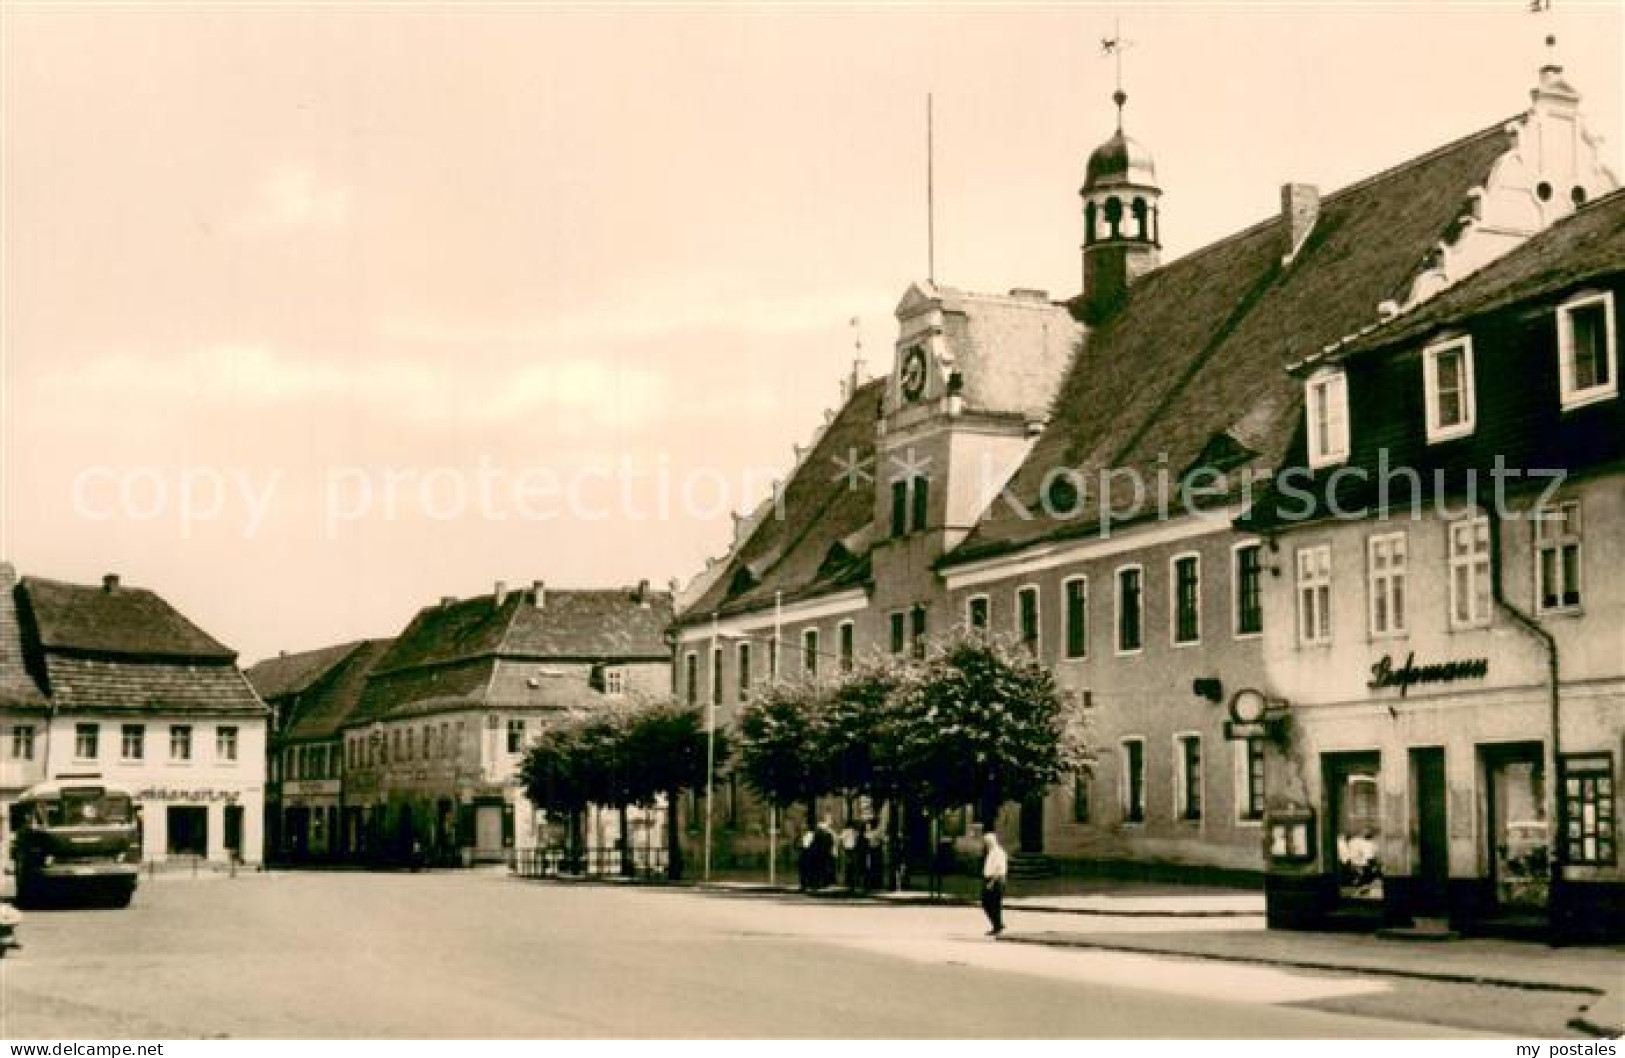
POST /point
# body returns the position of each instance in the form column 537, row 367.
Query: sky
column 312, row 315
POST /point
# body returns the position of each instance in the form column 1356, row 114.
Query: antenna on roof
column 930, row 193
column 1115, row 45
column 859, row 368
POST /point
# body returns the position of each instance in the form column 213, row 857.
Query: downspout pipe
column 1554, row 721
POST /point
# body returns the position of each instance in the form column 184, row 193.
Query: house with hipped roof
column 1067, row 474
column 112, row 681
column 431, row 750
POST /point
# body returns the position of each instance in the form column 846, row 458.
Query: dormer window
column 1447, row 378
column 1587, row 349
column 1327, row 404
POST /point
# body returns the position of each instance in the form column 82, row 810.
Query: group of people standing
column 855, row 857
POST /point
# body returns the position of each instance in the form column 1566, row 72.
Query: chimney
column 447, row 600
column 110, row 582
column 499, row 593
column 643, row 591
column 1300, row 208
column 538, row 593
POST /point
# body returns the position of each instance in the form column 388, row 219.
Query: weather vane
column 1115, row 45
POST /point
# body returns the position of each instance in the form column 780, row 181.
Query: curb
column 1307, row 964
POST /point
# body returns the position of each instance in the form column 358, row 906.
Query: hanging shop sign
column 1385, row 675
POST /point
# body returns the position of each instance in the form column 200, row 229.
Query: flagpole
column 711, row 741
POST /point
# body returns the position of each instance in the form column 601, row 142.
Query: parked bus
column 75, row 837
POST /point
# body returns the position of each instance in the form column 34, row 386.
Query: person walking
column 995, row 869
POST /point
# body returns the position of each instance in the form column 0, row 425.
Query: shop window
column 1131, row 784
column 1248, row 590
column 1589, row 350
column 1187, row 591
column 1353, row 785
column 188, row 830
column 1075, row 593
column 86, row 741
column 1588, row 810
column 1130, row 607
column 1557, row 557
column 133, row 741
column 1385, row 580
column 1469, row 573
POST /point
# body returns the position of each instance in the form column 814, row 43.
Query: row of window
column 1190, row 782
column 402, row 744
column 87, row 742
column 1185, row 605
column 1556, row 540
column 310, row 762
column 1588, row 371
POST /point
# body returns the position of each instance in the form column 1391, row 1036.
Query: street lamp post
column 711, row 742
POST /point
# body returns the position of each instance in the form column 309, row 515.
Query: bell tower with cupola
column 1122, row 235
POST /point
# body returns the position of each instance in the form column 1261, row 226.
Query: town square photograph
column 839, row 521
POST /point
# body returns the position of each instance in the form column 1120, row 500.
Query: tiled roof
column 455, row 654
column 17, row 687
column 328, row 703
column 1200, row 347
column 1588, row 244
column 288, row 674
column 795, row 551
column 121, row 621
column 81, row 684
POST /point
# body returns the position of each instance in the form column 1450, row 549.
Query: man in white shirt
column 995, row 868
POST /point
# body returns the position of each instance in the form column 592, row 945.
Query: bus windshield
column 87, row 807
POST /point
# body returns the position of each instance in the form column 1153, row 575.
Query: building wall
column 159, row 782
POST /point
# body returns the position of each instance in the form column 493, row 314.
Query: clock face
column 912, row 376
column 1248, row 707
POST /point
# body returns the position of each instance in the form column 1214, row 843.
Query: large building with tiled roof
column 1450, row 652
column 312, row 695
column 134, row 692
column 1067, row 473
column 432, row 749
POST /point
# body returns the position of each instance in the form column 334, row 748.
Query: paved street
column 479, row 954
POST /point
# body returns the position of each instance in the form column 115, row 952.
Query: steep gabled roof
column 327, row 703
column 116, row 621
column 828, row 499
column 102, row 685
column 17, row 687
column 1201, row 346
column 288, row 674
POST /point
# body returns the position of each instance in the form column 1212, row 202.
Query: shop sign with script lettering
column 1384, row 674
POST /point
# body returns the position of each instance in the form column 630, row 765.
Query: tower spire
column 1114, row 46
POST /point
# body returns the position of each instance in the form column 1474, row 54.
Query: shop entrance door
column 1430, row 869
column 1354, row 823
column 1519, row 852
column 188, row 827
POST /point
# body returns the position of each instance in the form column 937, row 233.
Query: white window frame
column 1235, row 588
column 1574, row 534
column 95, row 733
column 124, row 733
column 970, row 601
column 1124, row 784
column 22, row 742
column 1319, row 586
column 1476, row 565
column 516, row 726
column 1173, row 599
column 1438, row 431
column 1243, row 773
column 228, row 745
column 615, row 681
column 809, row 651
column 1066, row 618
column 1578, row 398
column 846, row 632
column 1037, row 595
column 1182, row 778
column 1326, row 392
column 1117, row 610
column 1381, row 585
column 184, row 736
column 691, row 677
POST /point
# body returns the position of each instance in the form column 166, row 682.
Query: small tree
column 857, row 731
column 783, row 744
column 982, row 722
column 556, row 774
column 663, row 753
